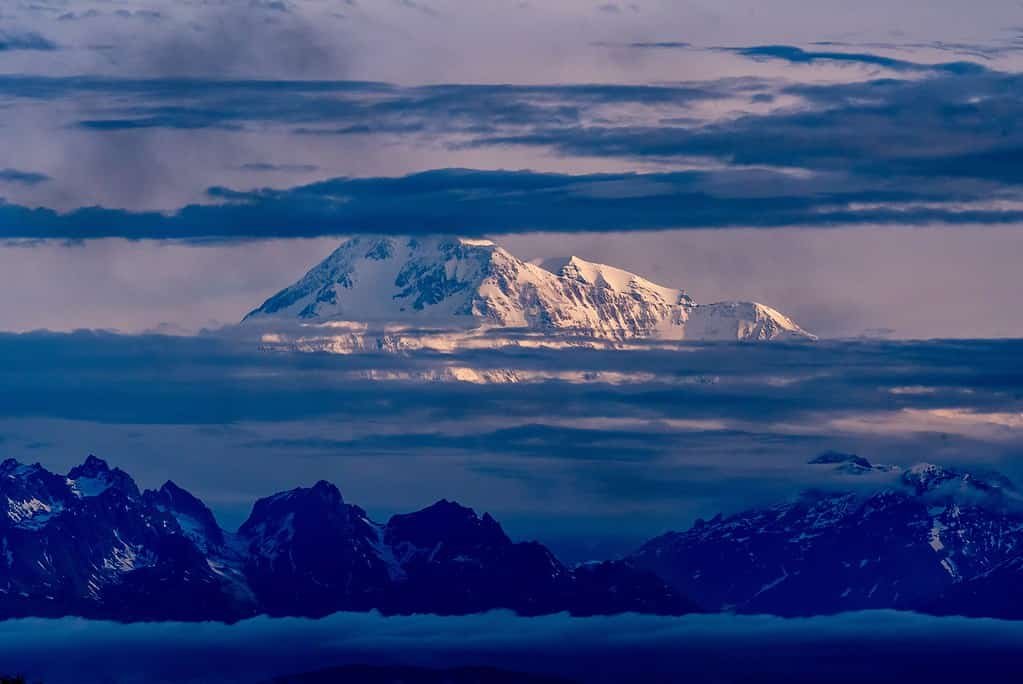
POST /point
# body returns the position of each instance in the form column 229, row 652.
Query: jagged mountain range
column 90, row 543
column 931, row 538
column 396, row 293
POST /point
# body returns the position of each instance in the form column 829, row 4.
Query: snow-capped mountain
column 91, row 544
column 925, row 540
column 445, row 292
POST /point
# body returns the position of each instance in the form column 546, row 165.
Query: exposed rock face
column 91, row 544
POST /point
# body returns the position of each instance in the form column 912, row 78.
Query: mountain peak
column 838, row 457
column 296, row 507
column 173, row 490
column 94, row 476
column 92, row 466
column 617, row 280
column 388, row 279
column 932, row 478
column 12, row 467
column 327, row 491
column 462, row 286
column 193, row 516
column 178, row 498
column 449, row 520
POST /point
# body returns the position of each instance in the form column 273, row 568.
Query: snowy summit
column 444, row 292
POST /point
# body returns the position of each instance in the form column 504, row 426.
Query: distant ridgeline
column 90, row 543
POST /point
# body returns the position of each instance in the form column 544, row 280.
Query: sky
column 871, row 281
column 167, row 166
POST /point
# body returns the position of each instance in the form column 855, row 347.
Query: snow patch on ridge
column 30, row 513
column 88, row 486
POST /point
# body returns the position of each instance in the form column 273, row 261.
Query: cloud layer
column 702, row 429
column 939, row 146
column 880, row 646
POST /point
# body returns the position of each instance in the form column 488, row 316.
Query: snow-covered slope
column 446, row 292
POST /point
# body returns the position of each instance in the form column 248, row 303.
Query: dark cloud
column 529, row 440
column 271, row 5
column 22, row 177
column 10, row 41
column 960, row 124
column 797, row 55
column 665, row 45
column 942, row 146
column 366, row 108
column 170, row 89
column 151, row 15
column 218, row 379
column 982, row 51
column 351, row 107
column 491, row 202
column 272, row 167
column 78, row 16
column 793, row 54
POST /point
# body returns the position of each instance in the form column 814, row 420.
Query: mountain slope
column 918, row 543
column 997, row 593
column 91, row 544
column 403, row 292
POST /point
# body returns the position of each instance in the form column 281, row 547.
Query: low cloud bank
column 875, row 646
